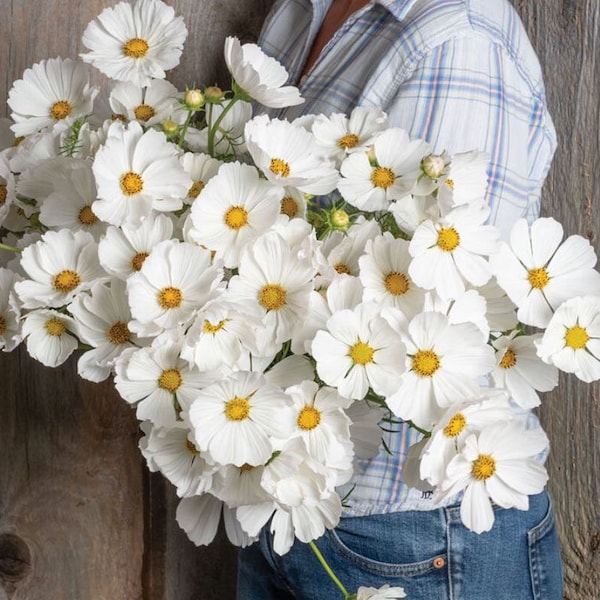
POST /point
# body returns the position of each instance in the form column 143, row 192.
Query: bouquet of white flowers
column 270, row 294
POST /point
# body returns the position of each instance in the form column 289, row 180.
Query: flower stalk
column 329, row 571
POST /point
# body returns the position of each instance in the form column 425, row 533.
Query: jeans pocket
column 544, row 559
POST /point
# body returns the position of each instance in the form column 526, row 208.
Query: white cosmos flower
column 102, row 318
column 520, row 370
column 237, row 418
column 444, row 362
column 200, row 167
column 453, row 250
column 59, row 266
column 339, row 135
column 288, row 155
column 411, row 210
column 176, row 280
column 172, row 452
column 383, row 593
column 293, row 203
column 236, row 208
column 273, row 283
column 50, row 91
column 384, row 275
column 239, row 486
column 372, row 186
column 497, row 465
column 7, row 187
column 571, row 341
column 10, row 311
column 123, row 250
column 158, row 381
column 136, row 172
column 358, row 351
column 259, row 75
column 135, row 42
column 539, row 271
column 150, row 105
column 501, row 313
column 70, row 205
column 49, row 336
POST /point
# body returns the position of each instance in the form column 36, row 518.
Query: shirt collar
column 398, row 8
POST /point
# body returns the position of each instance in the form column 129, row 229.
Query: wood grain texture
column 566, row 35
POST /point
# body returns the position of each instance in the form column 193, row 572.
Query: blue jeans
column 428, row 553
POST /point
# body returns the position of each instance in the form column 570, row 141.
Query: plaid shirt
column 460, row 74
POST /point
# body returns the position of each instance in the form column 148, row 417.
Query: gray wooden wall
column 80, row 516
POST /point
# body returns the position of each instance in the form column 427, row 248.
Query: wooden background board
column 80, row 516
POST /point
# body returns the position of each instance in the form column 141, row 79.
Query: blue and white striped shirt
column 460, row 74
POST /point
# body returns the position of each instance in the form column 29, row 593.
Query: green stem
column 10, row 248
column 185, row 127
column 328, row 569
column 212, row 129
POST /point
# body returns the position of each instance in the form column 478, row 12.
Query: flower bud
column 433, row 165
column 340, row 219
column 213, row 94
column 194, row 99
column 170, row 127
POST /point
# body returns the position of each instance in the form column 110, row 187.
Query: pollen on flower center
column 2, row 325
column 455, row 426
column 425, row 363
column 289, row 207
column 196, row 188
column 208, row 327
column 61, row 110
column 131, row 183
column 246, row 467
column 450, row 183
column 3, row 194
column 237, row 409
column 576, row 337
column 279, row 167
column 136, row 48
column 170, row 297
column 382, row 177
column 55, row 327
column 538, row 278
column 361, row 353
column 484, row 466
column 119, row 333
column 343, row 269
column 309, row 418
column 191, row 448
column 396, row 283
column 87, row 216
column 170, row 380
column 66, row 281
column 236, row 217
column 144, row 112
column 448, row 239
column 509, row 359
column 348, row 141
column 138, row 260
column 272, row 296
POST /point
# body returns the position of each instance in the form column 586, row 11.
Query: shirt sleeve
column 468, row 93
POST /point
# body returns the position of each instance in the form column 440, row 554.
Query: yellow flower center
column 170, row 297
column 55, row 327
column 382, row 177
column 135, row 48
column 131, row 183
column 3, row 194
column 191, row 448
column 425, row 363
column 208, row 327
column 66, row 281
column 196, row 188
column 309, row 418
column 576, row 337
column 144, row 112
column 87, row 216
column 2, row 325
column 484, row 466
column 509, row 359
column 272, row 296
column 119, row 333
column 279, row 167
column 396, row 283
column 538, row 278
column 343, row 269
column 170, row 380
column 246, row 467
column 289, row 207
column 236, row 217
column 361, row 353
column 448, row 239
column 450, row 183
column 138, row 260
column 348, row 141
column 61, row 110
column 455, row 426
column 237, row 409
